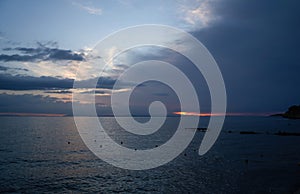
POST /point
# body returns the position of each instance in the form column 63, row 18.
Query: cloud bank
column 40, row 53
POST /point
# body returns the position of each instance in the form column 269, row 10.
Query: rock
column 292, row 113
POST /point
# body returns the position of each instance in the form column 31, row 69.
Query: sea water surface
column 47, row 154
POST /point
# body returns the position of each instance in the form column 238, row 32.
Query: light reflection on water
column 47, row 155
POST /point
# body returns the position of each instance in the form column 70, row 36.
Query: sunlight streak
column 220, row 114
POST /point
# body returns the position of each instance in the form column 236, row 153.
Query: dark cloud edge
column 21, row 82
column 42, row 52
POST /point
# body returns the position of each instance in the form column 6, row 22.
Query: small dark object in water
column 229, row 131
column 121, row 142
column 248, row 132
column 184, row 154
column 156, row 145
column 100, row 146
column 202, row 129
column 246, row 161
column 69, row 142
column 286, row 134
column 134, row 149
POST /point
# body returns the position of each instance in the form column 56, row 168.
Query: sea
column 251, row 155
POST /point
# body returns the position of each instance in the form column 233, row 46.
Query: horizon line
column 28, row 114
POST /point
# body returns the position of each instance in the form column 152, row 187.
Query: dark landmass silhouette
column 292, row 113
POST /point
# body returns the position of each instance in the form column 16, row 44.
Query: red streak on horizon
column 219, row 114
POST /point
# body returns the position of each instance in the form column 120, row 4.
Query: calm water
column 39, row 154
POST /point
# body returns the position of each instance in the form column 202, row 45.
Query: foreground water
column 41, row 154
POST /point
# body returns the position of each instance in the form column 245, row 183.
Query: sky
column 42, row 44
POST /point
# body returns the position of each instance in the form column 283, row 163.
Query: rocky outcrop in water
column 292, row 113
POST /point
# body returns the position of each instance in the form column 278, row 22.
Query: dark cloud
column 256, row 44
column 20, row 82
column 34, row 104
column 157, row 89
column 102, row 82
column 29, row 103
column 17, row 57
column 3, row 68
column 142, row 97
column 95, row 92
column 59, row 54
column 59, row 92
column 43, row 52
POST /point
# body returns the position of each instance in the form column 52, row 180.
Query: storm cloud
column 256, row 45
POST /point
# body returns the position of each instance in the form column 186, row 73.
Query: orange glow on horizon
column 219, row 114
column 196, row 114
